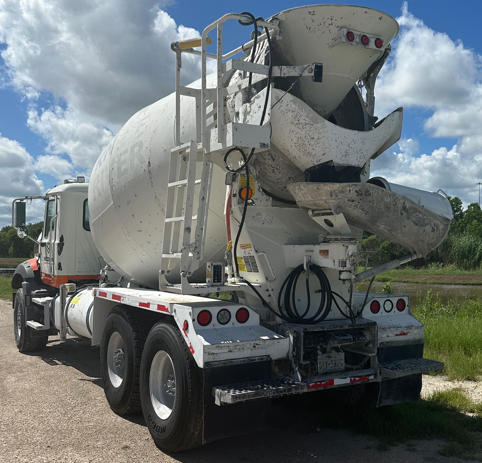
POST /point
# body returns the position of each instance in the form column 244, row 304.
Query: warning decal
column 241, row 265
column 248, row 264
column 247, row 249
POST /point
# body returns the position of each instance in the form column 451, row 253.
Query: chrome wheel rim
column 116, row 365
column 162, row 385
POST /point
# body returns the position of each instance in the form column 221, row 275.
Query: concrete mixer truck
column 251, row 184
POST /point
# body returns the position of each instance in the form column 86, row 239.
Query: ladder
column 180, row 243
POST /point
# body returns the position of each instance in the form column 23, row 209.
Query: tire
column 26, row 339
column 123, row 339
column 171, row 390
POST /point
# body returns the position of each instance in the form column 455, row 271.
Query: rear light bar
column 219, row 318
column 354, row 37
column 388, row 304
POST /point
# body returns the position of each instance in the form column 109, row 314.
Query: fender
column 27, row 271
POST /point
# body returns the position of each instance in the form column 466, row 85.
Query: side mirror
column 20, row 218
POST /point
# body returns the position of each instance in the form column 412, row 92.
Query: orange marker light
column 245, row 191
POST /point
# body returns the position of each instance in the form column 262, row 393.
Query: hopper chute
column 312, row 34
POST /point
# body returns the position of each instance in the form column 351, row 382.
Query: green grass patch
column 442, row 416
column 453, row 335
column 12, row 262
column 6, row 287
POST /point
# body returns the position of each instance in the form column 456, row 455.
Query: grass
column 5, row 287
column 453, row 335
column 435, row 274
column 442, row 416
column 11, row 262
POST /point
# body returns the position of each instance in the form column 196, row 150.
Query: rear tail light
column 350, row 36
column 365, row 40
column 375, row 307
column 204, row 318
column 242, row 315
column 401, row 304
column 379, row 43
column 224, row 315
column 388, row 305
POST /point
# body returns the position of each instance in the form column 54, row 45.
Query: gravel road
column 52, row 409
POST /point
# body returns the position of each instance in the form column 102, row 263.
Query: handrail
column 202, row 95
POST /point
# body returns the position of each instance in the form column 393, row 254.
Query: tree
column 457, row 207
column 13, row 246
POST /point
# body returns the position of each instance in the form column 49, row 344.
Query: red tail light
column 375, row 307
column 365, row 40
column 350, row 36
column 204, row 318
column 185, row 325
column 379, row 43
column 242, row 315
column 401, row 304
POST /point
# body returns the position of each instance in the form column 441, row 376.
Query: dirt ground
column 52, row 409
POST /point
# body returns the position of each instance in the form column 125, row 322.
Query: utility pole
column 479, row 183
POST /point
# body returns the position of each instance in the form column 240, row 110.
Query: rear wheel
column 123, row 339
column 171, row 390
column 26, row 339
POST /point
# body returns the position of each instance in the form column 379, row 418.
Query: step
column 408, row 367
column 234, row 393
column 35, row 325
column 271, row 388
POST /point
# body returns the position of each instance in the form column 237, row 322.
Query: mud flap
column 236, row 419
column 397, row 391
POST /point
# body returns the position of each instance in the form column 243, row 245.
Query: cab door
column 47, row 243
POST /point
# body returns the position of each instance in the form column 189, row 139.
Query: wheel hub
column 170, row 384
column 119, row 359
column 162, row 384
column 116, row 359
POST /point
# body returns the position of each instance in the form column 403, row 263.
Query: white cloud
column 56, row 166
column 106, row 59
column 427, row 69
column 17, row 178
column 99, row 60
column 65, row 133
column 451, row 170
column 431, row 71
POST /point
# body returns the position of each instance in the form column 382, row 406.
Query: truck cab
column 67, row 252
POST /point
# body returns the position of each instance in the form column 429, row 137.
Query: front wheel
column 26, row 339
column 171, row 390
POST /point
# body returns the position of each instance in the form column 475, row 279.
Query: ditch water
column 419, row 291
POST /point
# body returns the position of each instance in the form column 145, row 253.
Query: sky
column 72, row 73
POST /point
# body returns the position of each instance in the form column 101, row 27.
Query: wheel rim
column 162, row 385
column 19, row 321
column 116, row 364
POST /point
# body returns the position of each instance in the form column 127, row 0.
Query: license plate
column 332, row 361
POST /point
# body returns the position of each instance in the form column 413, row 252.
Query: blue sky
column 72, row 72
